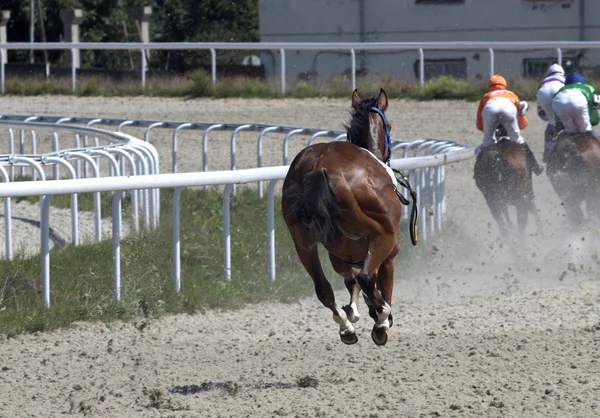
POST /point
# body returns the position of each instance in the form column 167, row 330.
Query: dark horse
column 504, row 178
column 573, row 168
column 342, row 195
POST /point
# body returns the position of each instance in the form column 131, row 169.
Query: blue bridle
column 388, row 140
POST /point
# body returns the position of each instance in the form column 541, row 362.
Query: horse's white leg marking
column 346, row 326
column 354, row 316
column 383, row 317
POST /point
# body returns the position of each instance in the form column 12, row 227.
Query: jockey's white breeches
column 544, row 98
column 500, row 111
column 571, row 107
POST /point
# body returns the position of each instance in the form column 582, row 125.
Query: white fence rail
column 282, row 47
column 424, row 160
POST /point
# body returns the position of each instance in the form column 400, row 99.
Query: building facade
column 429, row 21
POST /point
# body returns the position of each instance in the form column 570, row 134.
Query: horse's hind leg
column 532, row 207
column 500, row 214
column 311, row 262
column 378, row 292
column 347, row 272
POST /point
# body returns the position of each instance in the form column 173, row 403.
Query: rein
column 388, row 141
column 402, row 180
column 414, row 213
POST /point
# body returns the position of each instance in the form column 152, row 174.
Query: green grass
column 199, row 84
column 81, row 277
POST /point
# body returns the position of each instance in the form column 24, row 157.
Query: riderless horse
column 344, row 196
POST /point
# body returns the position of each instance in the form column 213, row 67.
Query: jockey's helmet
column 555, row 69
column 497, row 82
column 574, row 78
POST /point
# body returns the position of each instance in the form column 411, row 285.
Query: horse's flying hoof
column 379, row 335
column 349, row 339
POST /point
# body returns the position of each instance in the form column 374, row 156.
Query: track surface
column 475, row 333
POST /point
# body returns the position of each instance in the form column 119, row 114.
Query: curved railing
column 88, row 152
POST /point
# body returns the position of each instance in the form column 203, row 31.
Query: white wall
column 405, row 21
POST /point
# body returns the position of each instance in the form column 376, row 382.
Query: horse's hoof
column 379, row 335
column 349, row 338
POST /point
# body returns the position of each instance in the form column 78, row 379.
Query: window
column 538, row 67
column 439, row 1
column 456, row 68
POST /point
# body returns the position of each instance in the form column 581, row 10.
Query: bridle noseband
column 387, row 154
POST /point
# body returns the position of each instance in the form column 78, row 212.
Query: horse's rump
column 574, row 165
column 501, row 170
column 331, row 187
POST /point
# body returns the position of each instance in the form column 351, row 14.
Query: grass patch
column 81, row 277
column 199, row 84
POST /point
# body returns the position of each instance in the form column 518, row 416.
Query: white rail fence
column 423, row 159
column 282, row 47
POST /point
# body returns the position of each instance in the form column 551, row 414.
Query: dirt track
column 475, row 334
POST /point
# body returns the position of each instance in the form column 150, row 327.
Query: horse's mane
column 358, row 130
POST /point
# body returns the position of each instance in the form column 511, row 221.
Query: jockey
column 500, row 106
column 554, row 81
column 576, row 106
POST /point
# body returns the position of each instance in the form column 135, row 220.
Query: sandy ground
column 476, row 333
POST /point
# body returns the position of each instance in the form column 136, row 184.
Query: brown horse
column 574, row 171
column 504, row 178
column 342, row 195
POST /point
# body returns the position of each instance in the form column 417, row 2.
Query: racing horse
column 573, row 167
column 504, row 178
column 344, row 196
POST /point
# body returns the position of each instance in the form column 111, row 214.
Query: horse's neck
column 375, row 148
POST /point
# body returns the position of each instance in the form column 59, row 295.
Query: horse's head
column 369, row 127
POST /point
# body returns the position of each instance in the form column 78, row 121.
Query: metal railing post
column 2, row 75
column 353, row 66
column 174, row 144
column 227, row 231
column 73, row 72
column 559, row 56
column 176, row 241
column 213, row 66
column 271, row 227
column 7, row 218
column 287, row 139
column 45, row 245
column 259, row 153
column 492, row 62
column 116, row 244
column 421, row 67
column 143, row 68
column 282, row 52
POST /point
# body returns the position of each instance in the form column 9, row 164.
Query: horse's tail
column 312, row 203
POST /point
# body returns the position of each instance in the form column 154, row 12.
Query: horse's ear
column 382, row 100
column 355, row 98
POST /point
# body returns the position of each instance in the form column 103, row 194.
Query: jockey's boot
column 532, row 162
